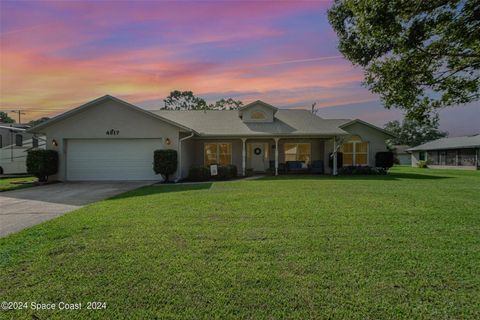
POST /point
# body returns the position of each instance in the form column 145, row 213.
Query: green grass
column 406, row 245
column 7, row 184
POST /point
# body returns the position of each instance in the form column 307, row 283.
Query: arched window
column 355, row 152
column 257, row 115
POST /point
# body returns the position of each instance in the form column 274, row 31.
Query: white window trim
column 218, row 151
column 296, row 155
column 354, row 152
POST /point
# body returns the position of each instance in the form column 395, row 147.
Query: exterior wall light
column 167, row 141
column 54, row 143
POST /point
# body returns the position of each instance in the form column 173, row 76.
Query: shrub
column 249, row 172
column 384, row 159
column 232, row 169
column 339, row 160
column 226, row 172
column 422, row 164
column 362, row 170
column 42, row 163
column 198, row 174
column 165, row 162
column 270, row 171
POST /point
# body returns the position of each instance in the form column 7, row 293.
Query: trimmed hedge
column 42, row 163
column 203, row 173
column 165, row 162
column 226, row 172
column 364, row 170
column 384, row 159
column 198, row 174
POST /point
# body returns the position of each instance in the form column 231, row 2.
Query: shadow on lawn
column 390, row 176
column 164, row 188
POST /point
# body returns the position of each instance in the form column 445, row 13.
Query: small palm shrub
column 422, row 164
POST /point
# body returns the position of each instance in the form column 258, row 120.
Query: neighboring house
column 14, row 145
column 458, row 152
column 402, row 155
column 110, row 139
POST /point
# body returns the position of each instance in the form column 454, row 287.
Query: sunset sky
column 58, row 55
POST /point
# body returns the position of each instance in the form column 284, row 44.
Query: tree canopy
column 417, row 55
column 227, row 104
column 186, row 100
column 413, row 133
column 4, row 118
column 38, row 121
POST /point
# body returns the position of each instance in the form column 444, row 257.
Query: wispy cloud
column 55, row 55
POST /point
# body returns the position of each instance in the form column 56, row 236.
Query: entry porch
column 275, row 155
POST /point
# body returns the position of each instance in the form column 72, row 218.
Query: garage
column 111, row 159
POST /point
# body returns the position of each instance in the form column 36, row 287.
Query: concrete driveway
column 23, row 208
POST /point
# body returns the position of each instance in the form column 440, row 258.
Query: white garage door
column 108, row 159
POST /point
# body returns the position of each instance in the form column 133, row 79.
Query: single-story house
column 110, row 139
column 402, row 155
column 457, row 152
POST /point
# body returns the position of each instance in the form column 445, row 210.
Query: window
column 35, row 142
column 1, row 142
column 298, row 152
column 466, row 157
column 442, row 156
column 18, row 140
column 218, row 153
column 257, row 115
column 432, row 157
column 355, row 152
column 421, row 156
column 451, row 158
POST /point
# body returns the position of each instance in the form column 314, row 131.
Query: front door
column 258, row 157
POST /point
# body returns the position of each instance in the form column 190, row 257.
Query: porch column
column 244, row 155
column 334, row 156
column 276, row 155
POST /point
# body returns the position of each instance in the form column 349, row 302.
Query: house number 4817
column 112, row 132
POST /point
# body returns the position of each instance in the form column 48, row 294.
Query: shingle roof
column 228, row 123
column 450, row 143
column 107, row 97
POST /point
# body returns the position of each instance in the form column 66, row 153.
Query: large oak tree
column 419, row 56
column 413, row 133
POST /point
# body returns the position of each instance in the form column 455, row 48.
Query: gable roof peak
column 258, row 102
column 96, row 101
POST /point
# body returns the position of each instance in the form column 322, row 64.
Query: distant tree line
column 186, row 100
column 5, row 118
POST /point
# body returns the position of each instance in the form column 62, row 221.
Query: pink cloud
column 65, row 53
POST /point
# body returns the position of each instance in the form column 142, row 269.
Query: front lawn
column 406, row 245
column 7, row 184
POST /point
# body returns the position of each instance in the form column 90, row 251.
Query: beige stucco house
column 110, row 139
column 449, row 153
